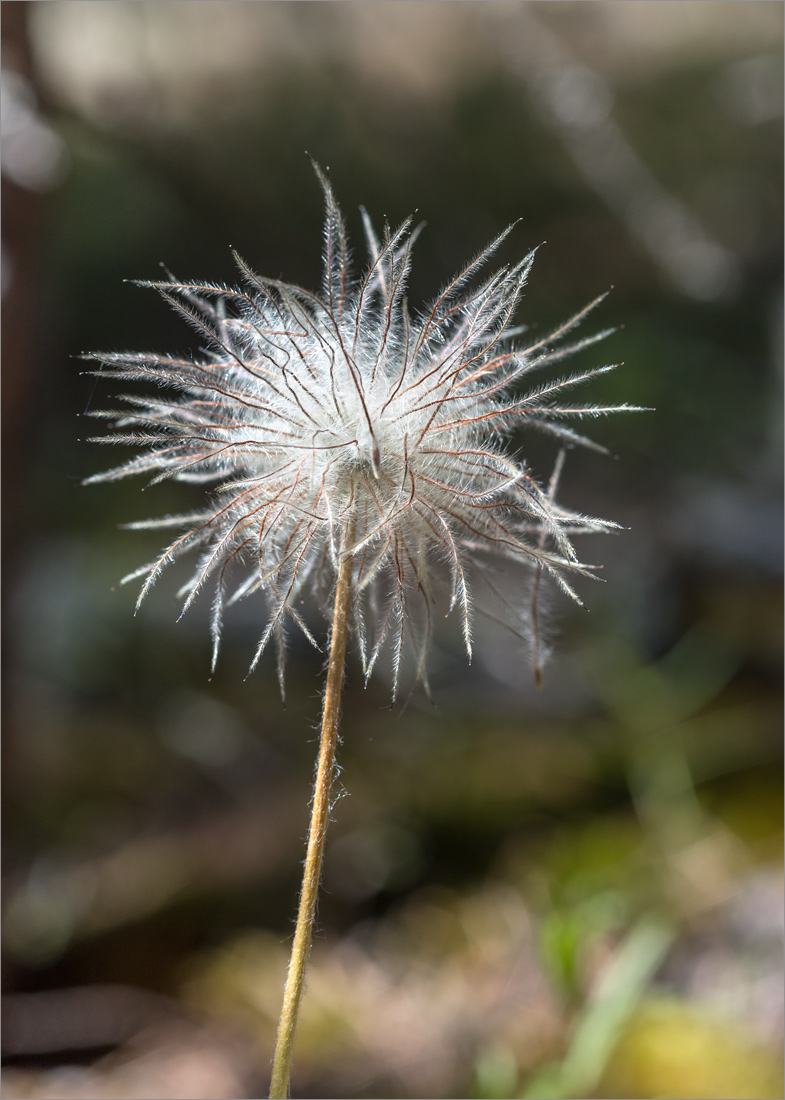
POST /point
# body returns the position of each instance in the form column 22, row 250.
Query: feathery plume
column 339, row 425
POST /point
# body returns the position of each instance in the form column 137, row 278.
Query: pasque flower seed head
column 340, row 424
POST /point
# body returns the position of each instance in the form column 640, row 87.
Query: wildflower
column 341, row 425
column 360, row 453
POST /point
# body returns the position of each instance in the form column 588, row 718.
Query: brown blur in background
column 576, row 893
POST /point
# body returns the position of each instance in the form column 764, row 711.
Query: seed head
column 340, row 424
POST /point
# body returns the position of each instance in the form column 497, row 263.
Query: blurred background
column 576, row 893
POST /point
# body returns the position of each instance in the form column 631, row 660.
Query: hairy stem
column 320, row 812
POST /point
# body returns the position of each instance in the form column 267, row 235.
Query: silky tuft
column 340, row 424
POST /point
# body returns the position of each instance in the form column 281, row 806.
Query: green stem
column 320, row 812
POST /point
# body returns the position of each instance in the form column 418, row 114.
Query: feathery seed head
column 339, row 425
